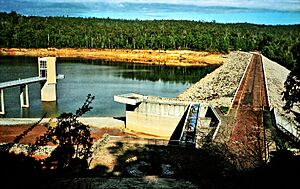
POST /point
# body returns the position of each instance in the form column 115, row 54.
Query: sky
column 270, row 12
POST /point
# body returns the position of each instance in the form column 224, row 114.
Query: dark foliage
column 292, row 85
column 291, row 94
column 73, row 148
column 210, row 167
column 73, row 139
column 275, row 42
column 18, row 171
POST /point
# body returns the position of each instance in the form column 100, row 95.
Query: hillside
column 275, row 42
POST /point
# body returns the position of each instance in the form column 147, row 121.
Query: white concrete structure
column 47, row 77
column 47, row 69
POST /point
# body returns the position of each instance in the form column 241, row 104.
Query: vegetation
column 275, row 42
column 211, row 167
column 73, row 139
column 140, row 166
column 291, row 94
column 292, row 85
column 224, row 109
column 73, row 146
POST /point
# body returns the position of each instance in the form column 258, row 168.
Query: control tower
column 47, row 70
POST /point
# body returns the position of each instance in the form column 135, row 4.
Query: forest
column 275, row 42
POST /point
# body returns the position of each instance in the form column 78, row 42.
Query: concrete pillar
column 48, row 92
column 171, row 110
column 142, row 108
column 24, row 99
column 47, row 68
column 2, row 111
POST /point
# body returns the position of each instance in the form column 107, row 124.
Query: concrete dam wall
column 157, row 118
column 155, row 115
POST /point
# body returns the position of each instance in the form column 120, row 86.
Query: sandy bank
column 99, row 122
column 156, row 57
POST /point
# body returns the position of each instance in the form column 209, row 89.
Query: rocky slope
column 276, row 76
column 218, row 87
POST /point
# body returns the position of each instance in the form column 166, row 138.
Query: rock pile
column 218, row 87
column 276, row 76
column 24, row 148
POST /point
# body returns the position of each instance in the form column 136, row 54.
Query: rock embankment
column 218, row 88
column 276, row 75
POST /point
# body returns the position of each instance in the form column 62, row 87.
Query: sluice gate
column 189, row 129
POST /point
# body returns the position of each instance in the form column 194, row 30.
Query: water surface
column 103, row 79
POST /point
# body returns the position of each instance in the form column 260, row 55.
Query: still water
column 102, row 79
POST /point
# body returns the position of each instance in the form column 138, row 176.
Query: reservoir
column 102, row 79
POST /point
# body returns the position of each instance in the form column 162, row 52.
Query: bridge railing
column 265, row 83
column 218, row 126
column 241, row 82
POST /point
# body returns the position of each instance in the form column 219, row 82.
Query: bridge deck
column 19, row 82
column 26, row 81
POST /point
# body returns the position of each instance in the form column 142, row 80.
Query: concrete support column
column 48, row 92
column 24, row 99
column 2, row 111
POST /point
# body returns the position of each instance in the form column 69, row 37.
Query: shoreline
column 153, row 57
column 99, row 122
column 115, row 127
column 111, row 122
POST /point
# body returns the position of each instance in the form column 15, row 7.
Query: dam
column 196, row 115
column 193, row 117
column 169, row 118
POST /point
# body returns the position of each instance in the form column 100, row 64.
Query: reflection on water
column 103, row 79
column 50, row 109
column 177, row 74
column 24, row 112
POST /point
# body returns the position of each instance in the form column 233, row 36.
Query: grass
column 224, row 109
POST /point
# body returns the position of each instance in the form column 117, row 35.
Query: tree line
column 275, row 42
